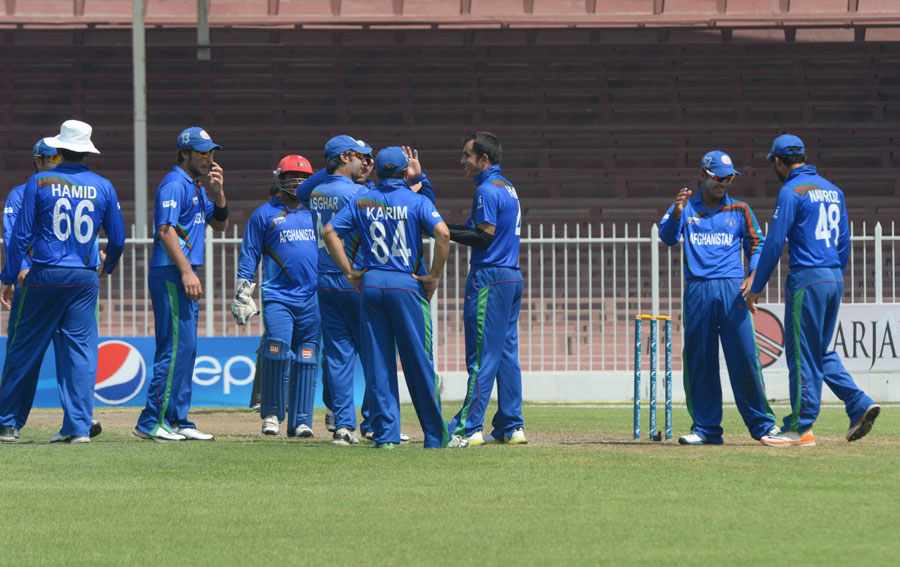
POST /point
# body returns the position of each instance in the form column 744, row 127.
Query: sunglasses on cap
column 205, row 154
column 726, row 179
column 52, row 159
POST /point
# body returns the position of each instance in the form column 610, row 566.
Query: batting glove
column 243, row 307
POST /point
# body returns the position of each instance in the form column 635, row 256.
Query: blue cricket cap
column 390, row 160
column 197, row 138
column 42, row 149
column 340, row 144
column 787, row 145
column 719, row 163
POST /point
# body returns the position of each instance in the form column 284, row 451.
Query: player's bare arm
column 681, row 199
column 215, row 186
column 189, row 279
column 431, row 280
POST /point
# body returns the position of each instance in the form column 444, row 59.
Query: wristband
column 220, row 213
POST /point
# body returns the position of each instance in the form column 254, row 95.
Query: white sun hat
column 74, row 135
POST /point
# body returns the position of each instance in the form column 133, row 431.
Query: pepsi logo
column 306, row 353
column 121, row 372
column 769, row 336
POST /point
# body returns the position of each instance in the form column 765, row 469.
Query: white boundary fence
column 583, row 287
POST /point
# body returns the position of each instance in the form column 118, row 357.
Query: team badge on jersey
column 121, row 372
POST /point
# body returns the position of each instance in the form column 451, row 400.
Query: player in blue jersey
column 60, row 217
column 304, row 171
column 190, row 197
column 715, row 228
column 493, row 297
column 395, row 313
column 281, row 233
column 339, row 301
column 811, row 214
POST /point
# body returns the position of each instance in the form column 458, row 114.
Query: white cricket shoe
column 303, row 431
column 60, row 438
column 345, row 437
column 476, row 439
column 191, row 434
column 270, row 425
column 692, row 439
column 162, row 435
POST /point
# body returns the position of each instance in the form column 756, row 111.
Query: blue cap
column 340, row 144
column 391, row 160
column 197, row 138
column 719, row 163
column 787, row 145
column 42, row 149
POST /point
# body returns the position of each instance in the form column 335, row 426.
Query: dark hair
column 69, row 155
column 273, row 190
column 486, row 143
column 332, row 164
column 791, row 159
column 181, row 152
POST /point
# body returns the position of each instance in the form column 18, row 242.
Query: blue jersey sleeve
column 22, row 234
column 251, row 246
column 10, row 209
column 306, row 188
column 114, row 227
column 342, row 222
column 429, row 217
column 753, row 239
column 427, row 190
column 670, row 227
column 168, row 205
column 487, row 206
column 843, row 245
column 782, row 219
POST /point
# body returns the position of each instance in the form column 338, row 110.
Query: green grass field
column 579, row 494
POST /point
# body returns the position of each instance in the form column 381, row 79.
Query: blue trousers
column 169, row 391
column 339, row 308
column 26, row 401
column 812, row 300
column 714, row 310
column 293, row 323
column 57, row 304
column 395, row 316
column 491, row 317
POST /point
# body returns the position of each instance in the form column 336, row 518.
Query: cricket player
column 493, row 297
column 395, row 313
column 191, row 196
column 715, row 229
column 281, row 233
column 811, row 214
column 61, row 213
column 339, row 301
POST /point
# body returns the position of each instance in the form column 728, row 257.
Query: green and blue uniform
column 395, row 316
column 491, row 311
column 714, row 309
column 60, row 217
column 811, row 214
column 185, row 206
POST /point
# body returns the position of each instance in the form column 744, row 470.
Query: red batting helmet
column 291, row 164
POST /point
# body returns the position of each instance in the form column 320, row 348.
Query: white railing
column 582, row 288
